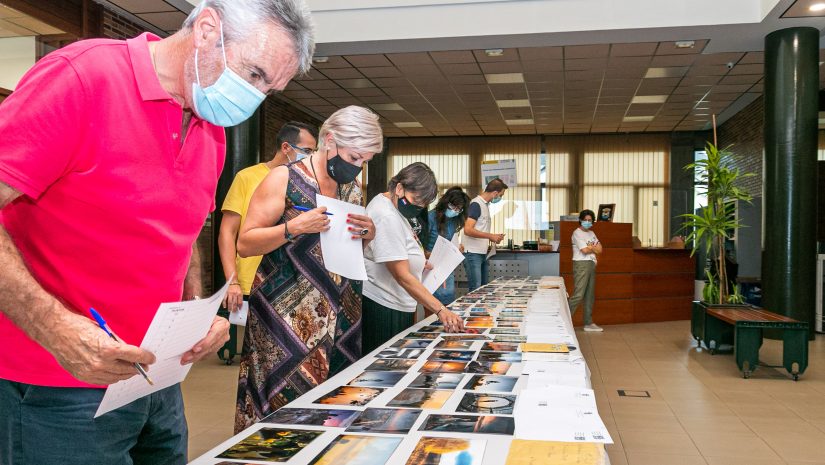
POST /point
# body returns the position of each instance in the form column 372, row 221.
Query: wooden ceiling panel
column 623, row 62
column 541, row 53
column 460, row 68
column 741, row 79
column 644, row 49
column 669, row 61
column 748, row 68
column 342, row 73
column 501, row 67
column 670, row 48
column 366, row 92
column 467, row 79
column 409, row 59
column 365, row 61
column 332, row 62
column 718, row 59
column 585, row 63
column 381, row 72
column 628, row 72
column 586, row 51
column 509, row 54
column 540, row 66
column 753, row 58
column 454, row 56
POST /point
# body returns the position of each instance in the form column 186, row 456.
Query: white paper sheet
column 176, row 328
column 573, row 414
column 445, row 258
column 342, row 254
column 239, row 317
column 492, row 252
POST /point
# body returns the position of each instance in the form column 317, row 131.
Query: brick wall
column 275, row 114
column 118, row 27
column 744, row 132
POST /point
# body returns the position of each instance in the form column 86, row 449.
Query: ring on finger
column 364, row 231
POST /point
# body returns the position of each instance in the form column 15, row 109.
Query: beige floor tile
column 747, row 445
column 799, row 446
column 743, row 461
column 634, row 458
column 649, row 442
column 646, row 422
column 202, row 443
column 712, row 424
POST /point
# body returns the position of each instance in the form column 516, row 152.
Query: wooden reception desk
column 632, row 285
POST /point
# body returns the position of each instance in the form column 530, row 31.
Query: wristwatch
column 289, row 237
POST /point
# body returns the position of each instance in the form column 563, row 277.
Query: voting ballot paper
column 176, row 328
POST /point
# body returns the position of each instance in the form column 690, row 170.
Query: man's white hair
column 239, row 17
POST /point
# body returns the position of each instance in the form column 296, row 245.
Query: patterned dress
column 304, row 322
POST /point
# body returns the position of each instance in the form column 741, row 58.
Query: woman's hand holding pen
column 309, row 222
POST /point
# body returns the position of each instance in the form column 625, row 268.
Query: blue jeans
column 46, row 425
column 475, row 264
column 446, row 292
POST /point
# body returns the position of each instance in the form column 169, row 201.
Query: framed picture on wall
column 605, row 212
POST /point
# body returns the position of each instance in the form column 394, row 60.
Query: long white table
column 497, row 446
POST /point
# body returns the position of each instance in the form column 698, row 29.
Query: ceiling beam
column 64, row 15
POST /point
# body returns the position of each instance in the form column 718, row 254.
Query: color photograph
column 350, row 395
column 379, row 379
column 391, row 364
column 510, row 338
column 511, row 331
column 512, row 357
column 312, row 416
column 385, row 420
column 352, row 449
column 509, row 324
column 454, row 344
column 437, row 381
column 431, row 329
column 432, row 366
column 411, row 343
column 395, row 352
column 467, row 337
column 452, row 355
column 420, row 398
column 488, row 368
column 469, row 424
column 447, row 451
column 500, row 347
column 420, row 335
column 491, row 383
column 499, row 404
column 271, row 445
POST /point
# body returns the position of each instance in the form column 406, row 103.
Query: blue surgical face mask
column 230, row 100
column 587, row 224
column 496, row 200
column 450, row 213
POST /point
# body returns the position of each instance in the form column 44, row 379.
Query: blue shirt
column 451, row 226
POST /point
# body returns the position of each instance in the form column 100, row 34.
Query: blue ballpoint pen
column 102, row 323
column 306, row 209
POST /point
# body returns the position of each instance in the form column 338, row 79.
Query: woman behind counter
column 395, row 260
column 446, row 220
column 304, row 322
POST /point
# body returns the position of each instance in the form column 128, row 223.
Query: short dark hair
column 496, row 185
column 291, row 132
column 584, row 213
column 418, row 178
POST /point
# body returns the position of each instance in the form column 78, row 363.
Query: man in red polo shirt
column 109, row 159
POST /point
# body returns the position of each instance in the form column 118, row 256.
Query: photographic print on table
column 498, row 404
column 512, row 357
column 312, row 416
column 488, row 368
column 509, row 324
column 483, row 424
column 412, row 343
column 431, row 329
column 491, row 383
column 467, row 337
column 447, row 451
column 437, row 381
column 479, row 324
column 454, row 345
column 510, row 338
column 385, row 420
column 500, row 346
column 420, row 335
column 420, row 398
column 349, row 395
column 381, row 379
column 511, row 331
column 271, row 445
column 452, row 355
column 351, row 449
column 391, row 364
column 432, row 366
column 395, row 352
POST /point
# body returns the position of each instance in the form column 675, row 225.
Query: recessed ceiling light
column 649, row 99
column 673, row 71
column 513, row 103
column 494, row 52
column 408, row 124
column 518, row 122
column 505, row 78
column 684, row 43
column 320, row 59
column 637, row 119
column 817, row 7
column 387, row 107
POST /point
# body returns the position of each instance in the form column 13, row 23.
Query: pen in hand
column 102, row 323
column 306, row 209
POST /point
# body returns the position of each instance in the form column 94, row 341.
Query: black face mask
column 407, row 209
column 341, row 171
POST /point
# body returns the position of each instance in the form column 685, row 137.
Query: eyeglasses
column 454, row 208
column 305, row 151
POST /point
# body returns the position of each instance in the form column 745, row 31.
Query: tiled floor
column 700, row 410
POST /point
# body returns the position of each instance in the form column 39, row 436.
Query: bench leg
column 795, row 350
column 717, row 332
column 697, row 322
column 746, row 348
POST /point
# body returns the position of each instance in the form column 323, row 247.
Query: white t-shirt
column 478, row 244
column 582, row 239
column 394, row 240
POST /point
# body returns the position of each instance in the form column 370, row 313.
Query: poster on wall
column 501, row 169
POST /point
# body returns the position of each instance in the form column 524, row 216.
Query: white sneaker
column 593, row 328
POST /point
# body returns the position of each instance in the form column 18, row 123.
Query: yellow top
column 237, row 201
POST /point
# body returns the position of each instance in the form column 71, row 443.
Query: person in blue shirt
column 446, row 220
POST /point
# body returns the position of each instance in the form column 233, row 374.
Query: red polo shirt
column 112, row 200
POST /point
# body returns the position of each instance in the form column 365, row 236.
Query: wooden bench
column 747, row 324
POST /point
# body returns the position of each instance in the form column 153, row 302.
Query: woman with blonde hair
column 304, row 322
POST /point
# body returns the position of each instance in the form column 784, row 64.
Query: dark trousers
column 45, row 425
column 379, row 324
